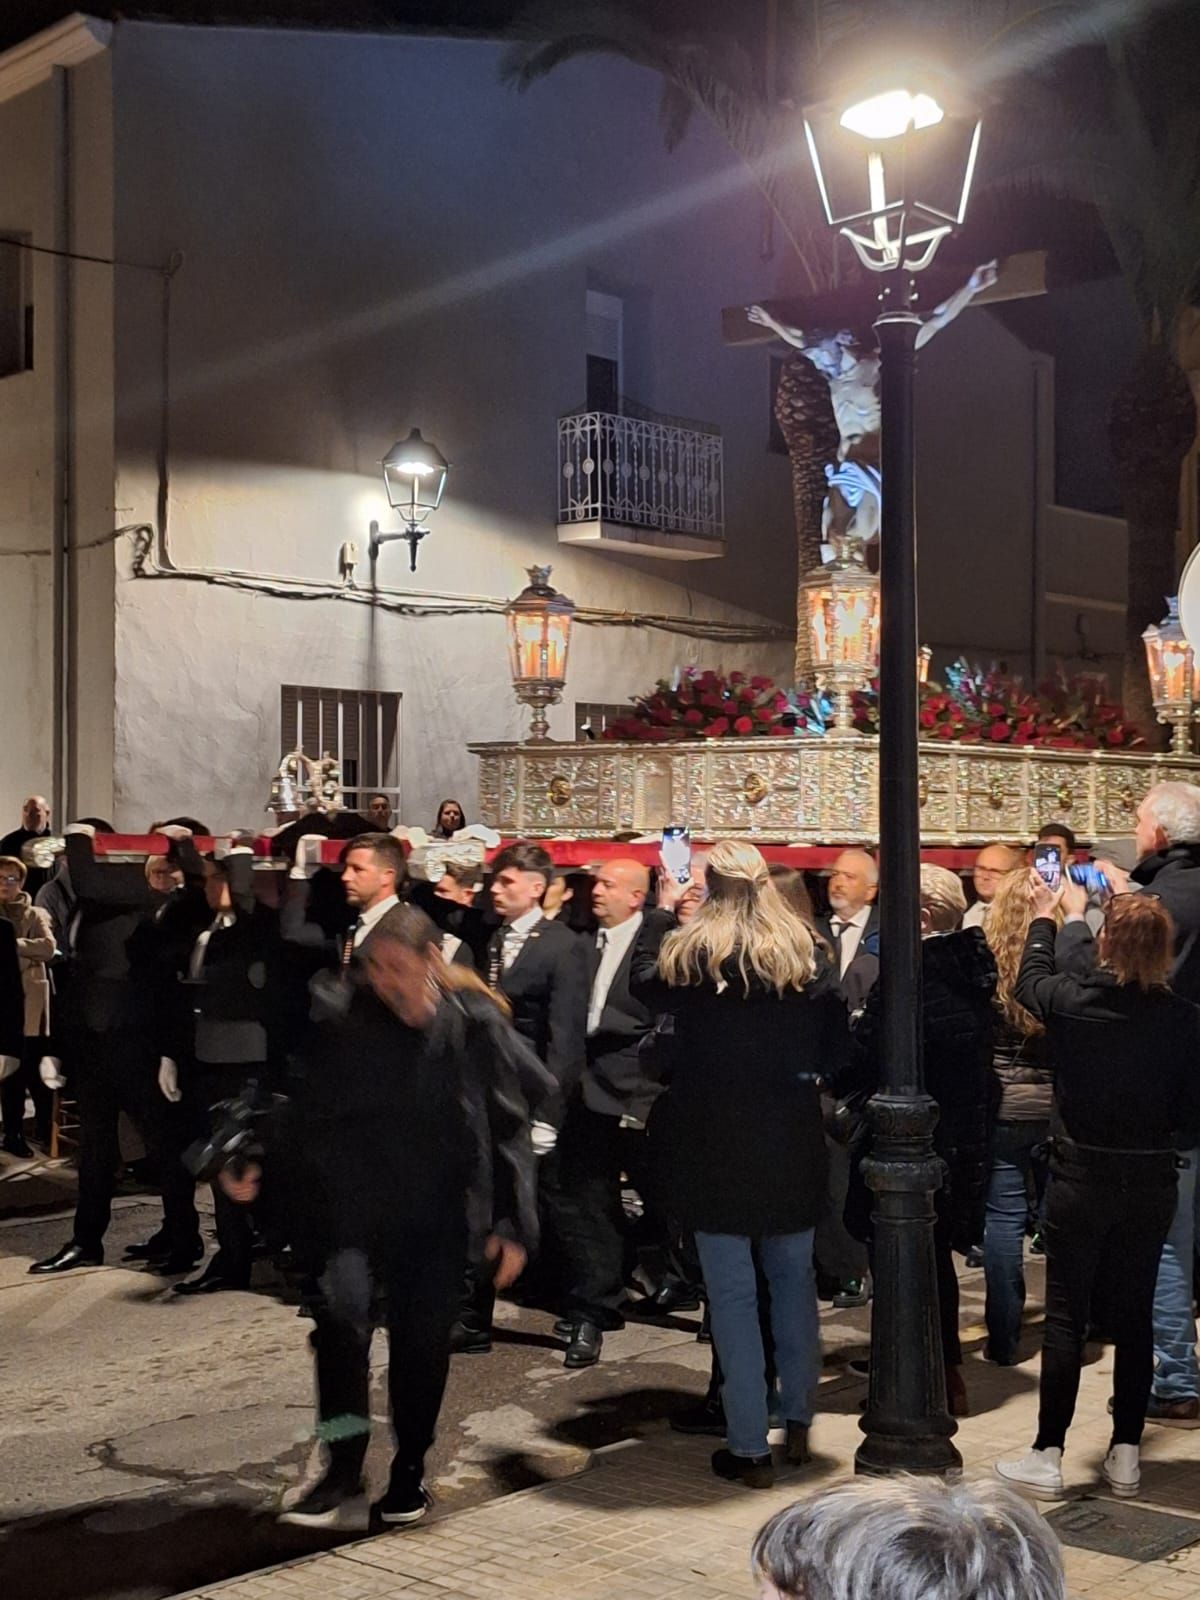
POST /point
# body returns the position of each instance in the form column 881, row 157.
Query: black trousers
column 27, row 1081
column 581, row 1195
column 115, row 1072
column 236, row 1225
column 419, row 1281
column 1106, row 1221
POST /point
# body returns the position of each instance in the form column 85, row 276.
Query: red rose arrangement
column 705, row 705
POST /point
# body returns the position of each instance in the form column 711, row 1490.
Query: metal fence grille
column 640, row 473
column 360, row 728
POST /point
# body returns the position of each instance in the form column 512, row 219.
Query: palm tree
column 1131, row 149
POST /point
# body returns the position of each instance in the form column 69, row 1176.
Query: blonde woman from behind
column 758, row 1018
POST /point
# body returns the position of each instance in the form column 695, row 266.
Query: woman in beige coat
column 35, row 949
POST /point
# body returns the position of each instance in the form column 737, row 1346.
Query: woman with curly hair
column 1022, row 1126
column 758, row 1018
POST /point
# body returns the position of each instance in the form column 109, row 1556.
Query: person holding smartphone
column 1122, row 1049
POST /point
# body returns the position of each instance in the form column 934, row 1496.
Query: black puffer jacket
column 958, row 1026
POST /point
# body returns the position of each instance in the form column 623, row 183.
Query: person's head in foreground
column 909, row 1539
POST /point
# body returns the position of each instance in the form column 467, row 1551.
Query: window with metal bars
column 359, row 728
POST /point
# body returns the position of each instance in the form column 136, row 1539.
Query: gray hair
column 1175, row 808
column 868, row 861
column 911, row 1539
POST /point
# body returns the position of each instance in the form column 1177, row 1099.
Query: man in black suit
column 111, row 1044
column 541, row 969
column 603, row 1132
column 852, row 929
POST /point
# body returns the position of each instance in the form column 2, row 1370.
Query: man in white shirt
column 372, row 870
column 991, row 865
column 603, row 1131
column 853, row 921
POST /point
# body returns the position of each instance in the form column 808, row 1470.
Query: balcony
column 642, row 484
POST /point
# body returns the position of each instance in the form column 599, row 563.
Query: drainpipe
column 62, row 577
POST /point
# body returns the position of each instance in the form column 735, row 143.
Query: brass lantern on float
column 924, row 657
column 1174, row 679
column 539, row 637
column 841, row 604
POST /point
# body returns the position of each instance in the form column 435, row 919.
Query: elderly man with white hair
column 1167, row 836
column 909, row 1539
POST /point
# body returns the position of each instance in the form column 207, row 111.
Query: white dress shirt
column 515, row 935
column 976, row 915
column 848, row 932
column 613, row 945
column 371, row 916
column 223, row 919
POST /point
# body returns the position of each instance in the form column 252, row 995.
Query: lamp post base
column 907, row 1427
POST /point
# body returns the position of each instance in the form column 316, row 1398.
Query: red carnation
column 998, row 731
column 744, row 725
column 1116, row 736
column 760, row 683
column 764, row 713
column 780, row 729
column 716, row 728
column 944, row 731
column 927, row 719
column 693, row 717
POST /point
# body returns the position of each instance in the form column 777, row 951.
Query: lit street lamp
column 539, row 636
column 894, row 163
column 414, row 475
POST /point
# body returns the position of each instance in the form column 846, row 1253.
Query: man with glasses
column 992, row 864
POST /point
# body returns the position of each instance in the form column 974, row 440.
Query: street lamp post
column 894, row 167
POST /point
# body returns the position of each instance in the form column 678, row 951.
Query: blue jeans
column 729, row 1278
column 1004, row 1233
column 1176, row 1376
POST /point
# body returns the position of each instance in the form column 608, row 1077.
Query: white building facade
column 321, row 241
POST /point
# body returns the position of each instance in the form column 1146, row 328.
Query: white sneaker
column 1121, row 1470
column 1038, row 1471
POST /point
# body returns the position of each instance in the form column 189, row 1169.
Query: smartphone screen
column 1047, row 862
column 676, row 853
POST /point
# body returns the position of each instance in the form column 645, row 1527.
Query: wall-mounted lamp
column 414, row 475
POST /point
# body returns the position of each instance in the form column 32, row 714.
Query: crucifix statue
column 849, row 368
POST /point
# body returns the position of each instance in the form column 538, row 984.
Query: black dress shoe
column 466, row 1341
column 210, row 1282
column 707, row 1418
column 156, row 1248
column 675, row 1296
column 585, row 1345
column 71, row 1255
column 18, row 1145
column 565, row 1327
column 176, row 1264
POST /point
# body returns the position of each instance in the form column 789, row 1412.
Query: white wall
column 37, row 155
column 377, row 235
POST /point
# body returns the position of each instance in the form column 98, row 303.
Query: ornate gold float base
column 809, row 791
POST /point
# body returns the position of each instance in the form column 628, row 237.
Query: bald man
column 35, row 824
column 992, row 863
column 603, row 1132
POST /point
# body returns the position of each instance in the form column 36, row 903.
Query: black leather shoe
column 675, row 1296
column 469, row 1341
column 210, row 1282
column 18, row 1145
column 707, row 1418
column 71, row 1255
column 585, row 1345
column 156, row 1248
column 175, row 1264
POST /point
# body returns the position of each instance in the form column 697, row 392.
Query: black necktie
column 496, row 957
column 838, row 929
column 348, row 946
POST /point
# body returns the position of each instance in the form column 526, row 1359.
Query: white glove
column 9, row 1065
column 168, row 1080
column 51, row 1073
column 174, row 830
column 79, row 827
column 543, row 1137
column 308, row 855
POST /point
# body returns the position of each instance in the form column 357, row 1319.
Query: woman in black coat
column 758, row 1018
column 1123, row 1051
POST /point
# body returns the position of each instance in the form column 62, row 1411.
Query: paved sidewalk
column 649, row 1521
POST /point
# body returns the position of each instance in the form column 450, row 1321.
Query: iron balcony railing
column 641, row 471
